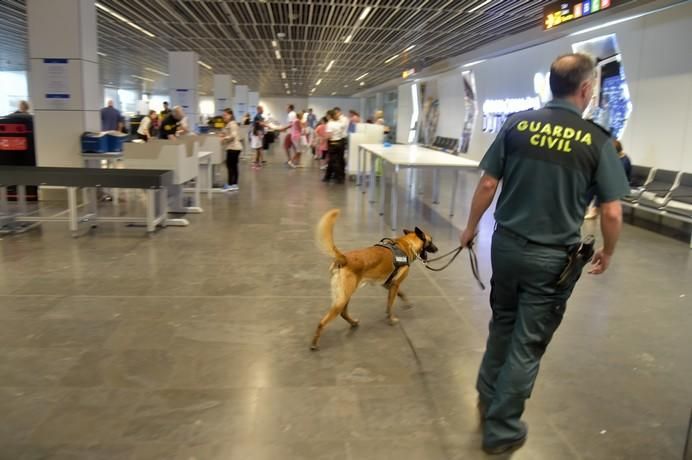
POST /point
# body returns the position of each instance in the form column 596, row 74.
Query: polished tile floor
column 193, row 344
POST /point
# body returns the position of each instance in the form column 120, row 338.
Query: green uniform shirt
column 550, row 161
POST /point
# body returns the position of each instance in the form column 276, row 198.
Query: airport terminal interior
column 167, row 173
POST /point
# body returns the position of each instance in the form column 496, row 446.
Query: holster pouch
column 578, row 258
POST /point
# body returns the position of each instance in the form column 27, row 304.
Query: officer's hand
column 466, row 237
column 600, row 262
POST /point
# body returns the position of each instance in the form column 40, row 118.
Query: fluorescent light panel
column 470, row 64
column 409, row 48
column 204, row 64
column 283, row 75
column 275, row 44
column 234, row 81
column 362, row 76
column 318, row 82
column 479, row 6
column 122, row 18
column 156, row 71
column 348, row 38
column 365, row 13
column 101, row 54
column 331, row 63
column 391, row 59
column 141, row 78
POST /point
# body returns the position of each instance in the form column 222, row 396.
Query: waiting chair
column 657, row 193
column 681, row 198
column 641, row 176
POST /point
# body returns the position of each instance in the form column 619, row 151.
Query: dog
column 374, row 264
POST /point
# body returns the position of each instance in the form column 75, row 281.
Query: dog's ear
column 420, row 234
column 406, row 232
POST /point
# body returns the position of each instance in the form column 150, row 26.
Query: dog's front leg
column 393, row 291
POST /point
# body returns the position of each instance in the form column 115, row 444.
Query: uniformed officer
column 548, row 161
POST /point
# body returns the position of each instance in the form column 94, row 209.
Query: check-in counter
column 212, row 143
column 179, row 155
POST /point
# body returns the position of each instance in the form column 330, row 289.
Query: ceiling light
column 142, row 78
column 122, row 18
column 288, row 92
column 277, row 53
column 345, row 86
column 313, row 90
column 334, row 93
column 331, row 63
column 409, row 48
column 362, row 83
column 362, row 76
column 204, row 64
column 286, row 85
column 348, row 39
column 283, row 75
column 156, row 71
column 365, row 13
column 473, row 63
column 101, row 54
column 275, row 44
column 294, row 69
column 234, row 81
column 318, row 82
column 479, row 6
column 391, row 59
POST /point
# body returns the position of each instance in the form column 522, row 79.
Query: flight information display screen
column 559, row 13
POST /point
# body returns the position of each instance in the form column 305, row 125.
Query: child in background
column 321, row 142
column 256, row 139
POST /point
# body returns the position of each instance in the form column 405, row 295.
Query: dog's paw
column 314, row 347
column 355, row 323
column 393, row 321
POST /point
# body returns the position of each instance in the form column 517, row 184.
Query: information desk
column 411, row 157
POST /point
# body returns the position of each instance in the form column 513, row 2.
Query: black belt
column 338, row 141
column 505, row 231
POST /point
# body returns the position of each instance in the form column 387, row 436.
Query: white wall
column 657, row 60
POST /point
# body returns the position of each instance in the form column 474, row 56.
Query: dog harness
column 399, row 258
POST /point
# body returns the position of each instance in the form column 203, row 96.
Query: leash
column 473, row 261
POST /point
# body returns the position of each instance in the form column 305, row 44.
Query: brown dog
column 374, row 264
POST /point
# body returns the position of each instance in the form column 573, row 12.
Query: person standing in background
column 166, row 111
column 257, row 141
column 354, row 119
column 288, row 143
column 111, row 119
column 170, row 124
column 312, row 119
column 230, row 139
column 298, row 140
column 626, row 162
column 321, row 142
column 337, row 132
column 22, row 109
column 144, row 132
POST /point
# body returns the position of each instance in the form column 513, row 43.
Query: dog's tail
column 325, row 237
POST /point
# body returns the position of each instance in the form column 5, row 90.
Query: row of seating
column 662, row 192
column 445, row 144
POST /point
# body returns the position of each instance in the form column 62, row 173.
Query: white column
column 252, row 102
column 63, row 77
column 183, row 83
column 379, row 101
column 223, row 93
column 240, row 100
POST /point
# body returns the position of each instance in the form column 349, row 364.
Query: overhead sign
column 407, row 73
column 559, row 13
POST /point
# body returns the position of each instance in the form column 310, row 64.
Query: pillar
column 252, row 102
column 63, row 77
column 183, row 81
column 223, row 93
column 240, row 100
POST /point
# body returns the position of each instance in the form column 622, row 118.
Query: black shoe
column 507, row 446
column 325, row 179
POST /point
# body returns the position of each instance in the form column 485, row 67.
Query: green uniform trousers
column 527, row 307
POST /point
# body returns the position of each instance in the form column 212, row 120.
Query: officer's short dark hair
column 568, row 72
column 291, row 107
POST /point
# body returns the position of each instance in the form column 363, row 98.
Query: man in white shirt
column 144, row 130
column 337, row 131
